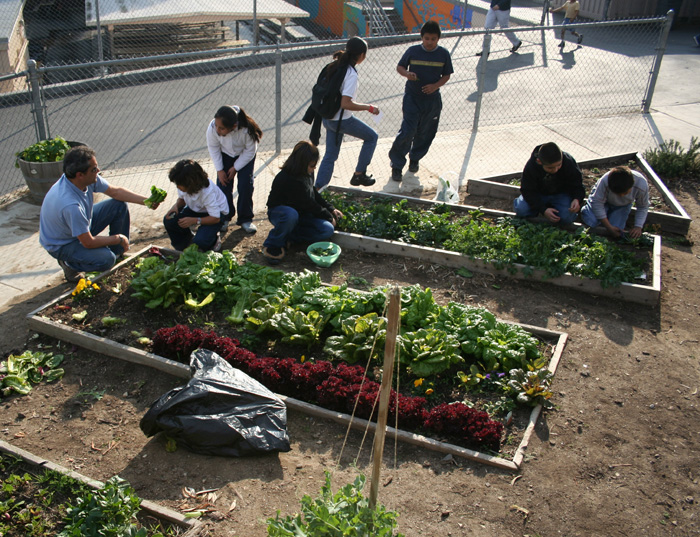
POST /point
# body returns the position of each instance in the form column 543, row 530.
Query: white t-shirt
column 349, row 88
column 210, row 200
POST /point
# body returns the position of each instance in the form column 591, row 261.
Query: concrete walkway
column 27, row 268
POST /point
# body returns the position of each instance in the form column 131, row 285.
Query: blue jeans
column 112, row 213
column 421, row 116
column 182, row 237
column 560, row 202
column 353, row 127
column 244, row 176
column 289, row 225
column 617, row 215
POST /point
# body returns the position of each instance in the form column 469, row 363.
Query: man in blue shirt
column 70, row 222
column 427, row 68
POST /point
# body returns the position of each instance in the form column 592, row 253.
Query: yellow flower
column 303, row 358
column 429, row 391
column 418, row 382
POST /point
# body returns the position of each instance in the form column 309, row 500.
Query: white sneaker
column 217, row 244
column 249, row 227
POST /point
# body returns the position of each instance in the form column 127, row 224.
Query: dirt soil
column 619, row 454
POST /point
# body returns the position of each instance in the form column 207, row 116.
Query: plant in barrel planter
column 42, row 165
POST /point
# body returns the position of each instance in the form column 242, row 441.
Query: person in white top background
column 233, row 138
column 345, row 122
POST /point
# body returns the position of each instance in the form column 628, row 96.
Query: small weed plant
column 343, row 514
column 671, row 161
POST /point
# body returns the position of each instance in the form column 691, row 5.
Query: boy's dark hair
column 549, row 153
column 189, row 173
column 303, row 154
column 77, row 160
column 620, row 179
column 230, row 115
column 430, row 27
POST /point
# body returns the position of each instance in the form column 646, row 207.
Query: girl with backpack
column 344, row 121
column 233, row 138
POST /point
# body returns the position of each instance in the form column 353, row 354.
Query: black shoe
column 516, row 46
column 580, row 39
column 413, row 166
column 561, row 45
column 481, row 53
column 396, row 174
column 71, row 275
column 362, row 180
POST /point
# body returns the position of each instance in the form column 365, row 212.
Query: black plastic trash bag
column 220, row 411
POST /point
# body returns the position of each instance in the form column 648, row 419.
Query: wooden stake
column 394, row 316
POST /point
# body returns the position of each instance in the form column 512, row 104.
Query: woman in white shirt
column 199, row 203
column 354, row 54
column 232, row 139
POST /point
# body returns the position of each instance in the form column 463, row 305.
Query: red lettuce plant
column 339, row 387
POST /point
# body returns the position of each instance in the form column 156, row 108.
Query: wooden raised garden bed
column 190, row 526
column 40, row 323
column 675, row 221
column 647, row 294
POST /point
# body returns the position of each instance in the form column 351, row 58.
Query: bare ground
column 618, row 455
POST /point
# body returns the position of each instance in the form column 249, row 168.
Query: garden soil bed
column 644, row 290
column 120, row 341
column 619, row 454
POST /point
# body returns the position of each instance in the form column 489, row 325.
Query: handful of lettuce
column 157, row 196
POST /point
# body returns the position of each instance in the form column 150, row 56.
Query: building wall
column 14, row 56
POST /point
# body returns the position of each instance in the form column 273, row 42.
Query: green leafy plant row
column 52, row 503
column 434, row 340
column 503, row 242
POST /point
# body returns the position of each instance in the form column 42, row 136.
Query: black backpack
column 326, row 96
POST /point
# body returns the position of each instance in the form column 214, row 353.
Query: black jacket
column 537, row 183
column 298, row 192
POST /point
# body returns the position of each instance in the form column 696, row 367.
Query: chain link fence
column 153, row 111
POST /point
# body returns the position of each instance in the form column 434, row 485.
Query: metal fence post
column 278, row 100
column 654, row 74
column 480, row 77
column 40, row 123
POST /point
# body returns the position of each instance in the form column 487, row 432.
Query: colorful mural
column 345, row 18
column 448, row 14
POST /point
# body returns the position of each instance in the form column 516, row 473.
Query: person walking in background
column 296, row 210
column 552, row 185
column 199, row 203
column 572, row 8
column 499, row 13
column 70, row 222
column 611, row 199
column 427, row 67
column 345, row 122
column 232, row 139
